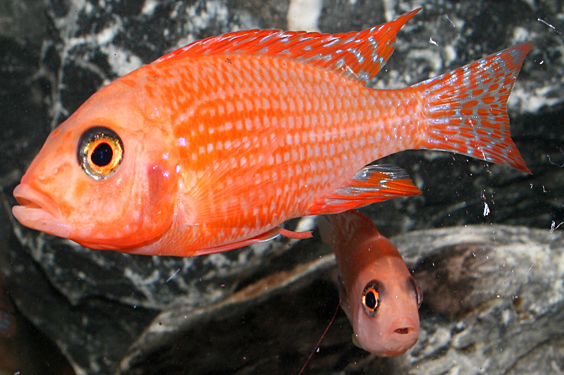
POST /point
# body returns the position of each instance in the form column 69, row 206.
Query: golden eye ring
column 100, row 152
column 371, row 298
column 417, row 291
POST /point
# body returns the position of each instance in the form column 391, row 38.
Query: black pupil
column 370, row 300
column 102, row 155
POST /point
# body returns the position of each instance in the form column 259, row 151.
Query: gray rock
column 493, row 304
column 95, row 304
column 496, row 295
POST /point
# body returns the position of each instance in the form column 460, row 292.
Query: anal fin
column 373, row 183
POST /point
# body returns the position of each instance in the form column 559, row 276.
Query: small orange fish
column 213, row 146
column 378, row 294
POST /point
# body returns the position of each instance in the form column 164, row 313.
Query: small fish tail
column 466, row 109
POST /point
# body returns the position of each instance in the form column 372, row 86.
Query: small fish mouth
column 38, row 211
column 404, row 332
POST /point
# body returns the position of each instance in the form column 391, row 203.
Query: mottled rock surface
column 95, row 305
column 493, row 304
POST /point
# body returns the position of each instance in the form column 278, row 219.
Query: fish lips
column 38, row 211
column 402, row 336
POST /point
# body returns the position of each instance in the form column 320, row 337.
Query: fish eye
column 371, row 298
column 418, row 292
column 100, row 152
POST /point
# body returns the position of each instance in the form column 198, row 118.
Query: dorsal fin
column 357, row 54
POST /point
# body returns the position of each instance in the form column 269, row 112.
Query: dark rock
column 23, row 349
column 95, row 305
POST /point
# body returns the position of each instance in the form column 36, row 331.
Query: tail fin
column 466, row 110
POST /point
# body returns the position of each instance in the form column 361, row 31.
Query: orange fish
column 378, row 294
column 213, row 146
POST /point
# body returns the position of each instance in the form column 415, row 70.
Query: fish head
column 101, row 178
column 385, row 315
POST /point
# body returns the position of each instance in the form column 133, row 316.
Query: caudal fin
column 466, row 110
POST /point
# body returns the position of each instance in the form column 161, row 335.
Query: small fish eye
column 371, row 298
column 418, row 292
column 100, row 152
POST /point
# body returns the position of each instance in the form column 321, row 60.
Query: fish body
column 378, row 294
column 213, row 146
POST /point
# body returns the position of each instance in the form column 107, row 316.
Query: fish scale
column 229, row 137
column 310, row 134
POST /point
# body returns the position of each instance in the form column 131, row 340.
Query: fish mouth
column 38, row 211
